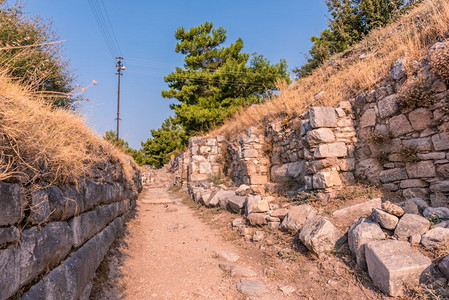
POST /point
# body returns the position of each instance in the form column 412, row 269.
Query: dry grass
column 41, row 144
column 349, row 75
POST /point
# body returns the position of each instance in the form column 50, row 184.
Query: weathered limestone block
column 347, row 164
column 221, row 198
column 279, row 213
column 368, row 119
column 287, row 172
column 39, row 249
column 388, row 106
column 205, row 197
column 413, row 183
column 391, row 175
column 355, row 212
column 421, row 169
column 9, row 235
column 10, row 274
column 444, row 266
column 398, row 70
column 435, row 238
column 362, row 232
column 392, row 263
column 105, row 214
column 322, row 180
column 84, row 227
column 337, row 149
column 40, row 207
column 255, row 204
column 236, row 203
column 320, row 135
column 255, row 179
column 323, row 117
column 319, row 235
column 411, row 224
column 11, row 203
column 439, row 186
column 412, row 193
column 257, row 219
column 420, row 118
column 443, row 171
column 368, row 169
column 315, row 166
column 420, row 144
column 243, row 190
column 296, row 217
column 392, row 209
column 441, row 141
column 399, row 125
column 384, row 219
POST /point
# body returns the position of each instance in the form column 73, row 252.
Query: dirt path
column 169, row 253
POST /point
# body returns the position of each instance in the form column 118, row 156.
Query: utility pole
column 120, row 68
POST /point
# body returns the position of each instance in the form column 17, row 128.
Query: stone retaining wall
column 53, row 240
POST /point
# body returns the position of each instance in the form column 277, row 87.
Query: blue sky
column 145, row 31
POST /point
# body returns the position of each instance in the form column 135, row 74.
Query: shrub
column 409, row 154
column 415, row 93
column 439, row 60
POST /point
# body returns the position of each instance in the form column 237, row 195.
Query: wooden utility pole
column 120, row 68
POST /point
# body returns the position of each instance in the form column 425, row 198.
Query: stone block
column 369, row 170
column 320, row 236
column 12, row 200
column 205, row 167
column 392, row 263
column 255, row 204
column 413, row 183
column 398, row 71
column 258, row 179
column 439, row 186
column 441, row 141
column 323, row 180
column 296, row 217
column 412, row 193
column 443, row 171
column 236, row 204
column 420, row 118
column 362, row 232
column 368, row 119
column 40, row 249
column 314, row 166
column 391, row 175
column 388, row 106
column 40, row 207
column 221, row 199
column 250, row 153
column 392, row 209
column 320, row 135
column 435, row 238
column 420, row 144
column 257, row 219
column 384, row 219
column 10, row 274
column 355, row 212
column 411, row 224
column 279, row 213
column 323, row 117
column 243, row 190
column 421, row 169
column 399, row 125
column 444, row 267
column 337, row 149
column 9, row 235
column 439, row 212
column 84, row 227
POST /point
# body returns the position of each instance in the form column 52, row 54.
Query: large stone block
column 40, row 207
column 9, row 235
column 368, row 119
column 236, row 203
column 40, row 249
column 388, row 106
column 338, row 149
column 221, row 199
column 411, row 224
column 355, row 212
column 436, row 238
column 440, row 186
column 323, row 180
column 320, row 135
column 392, row 263
column 296, row 217
column 84, row 227
column 255, row 204
column 384, row 219
column 441, row 141
column 10, row 272
column 421, row 169
column 391, row 175
column 287, row 172
column 420, row 144
column 369, row 170
column 323, row 117
column 362, row 232
column 399, row 125
column 320, row 236
column 11, row 203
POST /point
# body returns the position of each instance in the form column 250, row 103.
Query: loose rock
column 392, row 209
column 296, row 217
column 319, row 235
column 251, row 288
column 411, row 224
column 435, row 238
column 384, row 219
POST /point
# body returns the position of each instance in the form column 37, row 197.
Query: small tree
column 216, row 81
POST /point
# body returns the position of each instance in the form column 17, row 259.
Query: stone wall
column 395, row 136
column 53, row 240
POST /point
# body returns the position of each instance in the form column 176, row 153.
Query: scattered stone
column 296, row 217
column 415, row 239
column 411, row 224
column 354, row 212
column 410, row 207
column 319, row 235
column 243, row 190
column 359, row 234
column 255, row 204
column 251, row 288
column 392, row 263
column 435, row 238
column 229, row 256
column 439, row 212
column 287, row 290
column 392, row 209
column 258, row 236
column 384, row 219
column 273, row 225
column 238, row 222
column 236, row 203
column 257, row 219
column 244, row 231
